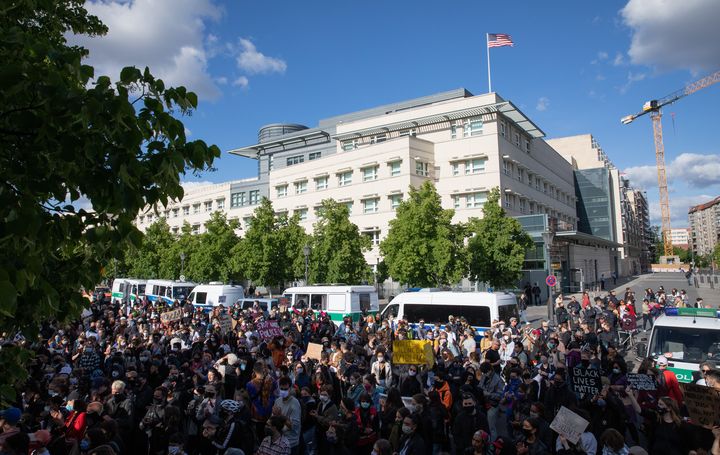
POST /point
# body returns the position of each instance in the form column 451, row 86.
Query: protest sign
column 225, row 322
column 413, row 352
column 313, row 351
column 641, row 381
column 703, row 404
column 268, row 330
column 585, row 381
column 567, row 423
column 170, row 316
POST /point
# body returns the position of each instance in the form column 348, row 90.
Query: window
column 220, row 204
column 349, row 206
column 507, row 168
column 196, row 209
column 453, row 131
column 271, row 162
column 472, row 127
column 521, row 175
column 208, row 206
column 350, row 145
column 508, row 201
column 395, row 168
column 186, row 210
column 281, row 190
column 247, row 220
column 167, row 214
column 395, row 200
column 516, row 139
column 537, row 183
column 421, row 168
column 301, row 187
column 476, row 316
column 522, row 205
column 237, row 199
column 200, row 297
column 475, row 200
column 302, row 213
column 378, row 138
column 545, row 187
column 175, row 213
column 370, row 205
column 314, row 156
column 321, row 183
column 456, row 201
column 475, row 166
column 374, row 236
column 196, row 228
column 364, row 303
column 345, row 178
column 150, row 217
column 297, row 159
column 532, row 208
column 254, row 197
column 410, row 132
column 369, row 173
column 175, row 230
column 527, row 146
column 142, row 219
column 503, row 126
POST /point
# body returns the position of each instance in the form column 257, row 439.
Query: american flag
column 499, row 40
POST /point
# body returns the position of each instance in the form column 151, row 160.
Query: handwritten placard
column 268, row 330
column 703, row 404
column 413, row 352
column 314, row 351
column 170, row 316
column 585, row 381
column 568, row 424
column 225, row 322
column 641, row 381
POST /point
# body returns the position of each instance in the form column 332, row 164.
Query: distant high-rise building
column 680, row 237
column 705, row 226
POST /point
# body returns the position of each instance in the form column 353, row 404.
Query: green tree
column 270, row 253
column 63, row 137
column 716, row 255
column 497, row 245
column 185, row 243
column 423, row 247
column 337, row 247
column 210, row 260
column 145, row 260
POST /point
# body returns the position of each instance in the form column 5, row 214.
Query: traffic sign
column 182, row 277
column 551, row 280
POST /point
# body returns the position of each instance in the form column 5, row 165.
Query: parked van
column 207, row 296
column 118, row 291
column 434, row 306
column 336, row 300
column 686, row 337
column 265, row 304
column 135, row 289
column 168, row 290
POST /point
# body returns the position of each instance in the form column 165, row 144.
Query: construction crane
column 653, row 108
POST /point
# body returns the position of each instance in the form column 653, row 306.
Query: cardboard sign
column 703, row 404
column 413, row 352
column 585, row 381
column 268, row 330
column 567, row 423
column 171, row 316
column 225, row 322
column 641, row 381
column 314, row 350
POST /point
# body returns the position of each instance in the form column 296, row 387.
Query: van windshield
column 180, row 292
column 686, row 344
column 476, row 316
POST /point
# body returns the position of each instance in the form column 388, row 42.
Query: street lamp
column 548, row 237
column 182, row 264
column 306, row 252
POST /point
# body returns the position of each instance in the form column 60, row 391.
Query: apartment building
column 705, row 226
column 680, row 237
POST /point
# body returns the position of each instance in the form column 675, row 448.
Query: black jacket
column 465, row 425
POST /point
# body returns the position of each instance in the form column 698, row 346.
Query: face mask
column 527, row 432
column 157, row 400
column 551, row 345
column 616, row 370
column 407, row 429
column 365, row 405
column 469, row 407
column 324, row 398
column 534, row 415
column 284, row 393
column 331, row 438
column 412, row 373
column 662, row 411
column 601, row 402
column 173, row 450
column 243, row 366
column 69, row 407
column 381, row 359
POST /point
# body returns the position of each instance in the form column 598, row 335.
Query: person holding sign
column 671, row 435
column 587, row 444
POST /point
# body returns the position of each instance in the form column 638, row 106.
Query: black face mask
column 157, row 400
column 527, row 432
column 469, row 407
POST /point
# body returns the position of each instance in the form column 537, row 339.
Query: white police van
column 215, row 293
column 686, row 337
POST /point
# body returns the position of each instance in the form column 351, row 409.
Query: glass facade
column 594, row 206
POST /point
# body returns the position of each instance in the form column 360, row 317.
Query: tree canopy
column 68, row 135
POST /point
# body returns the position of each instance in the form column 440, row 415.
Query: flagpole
column 487, row 49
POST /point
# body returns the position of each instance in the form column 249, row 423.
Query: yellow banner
column 413, row 352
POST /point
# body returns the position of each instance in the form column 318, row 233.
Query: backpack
column 590, row 314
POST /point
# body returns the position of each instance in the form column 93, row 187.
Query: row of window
column 473, row 166
column 297, row 159
column 534, row 180
column 242, row 198
column 197, row 208
column 522, row 205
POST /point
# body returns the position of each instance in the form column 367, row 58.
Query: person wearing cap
column 672, row 384
column 9, row 419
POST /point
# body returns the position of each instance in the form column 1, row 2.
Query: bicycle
column 627, row 339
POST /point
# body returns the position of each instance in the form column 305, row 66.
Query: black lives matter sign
column 585, row 381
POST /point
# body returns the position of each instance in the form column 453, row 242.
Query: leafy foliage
column 423, row 247
column 210, row 259
column 271, row 251
column 64, row 137
column 337, row 247
column 497, row 245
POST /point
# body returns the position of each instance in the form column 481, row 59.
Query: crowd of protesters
column 123, row 382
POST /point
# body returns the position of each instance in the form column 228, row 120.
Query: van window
column 505, row 312
column 192, row 297
column 201, row 298
column 122, row 287
column 391, row 310
column 301, row 301
column 364, row 303
column 248, row 304
column 478, row 316
column 141, row 289
column 160, row 290
column 133, row 290
column 318, row 302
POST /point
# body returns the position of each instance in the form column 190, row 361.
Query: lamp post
column 306, row 252
column 548, row 237
column 182, row 264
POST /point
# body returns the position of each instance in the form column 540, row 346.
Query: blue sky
column 577, row 67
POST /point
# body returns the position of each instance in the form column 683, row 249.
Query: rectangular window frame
column 395, row 168
column 281, row 191
column 371, row 205
column 300, row 187
column 369, row 173
column 345, row 178
column 321, row 183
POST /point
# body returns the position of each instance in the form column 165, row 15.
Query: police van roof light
column 695, row 312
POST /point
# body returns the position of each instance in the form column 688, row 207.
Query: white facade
column 705, row 226
column 680, row 237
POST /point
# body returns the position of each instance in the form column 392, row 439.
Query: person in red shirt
column 672, row 385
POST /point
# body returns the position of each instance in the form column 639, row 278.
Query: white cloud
column 600, row 77
column 222, row 80
column 671, row 34
column 255, row 62
column 631, row 79
column 601, row 55
column 691, row 169
column 542, row 103
column 679, row 206
column 618, row 60
column 166, row 35
column 241, row 81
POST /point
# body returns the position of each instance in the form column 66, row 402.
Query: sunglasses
column 705, row 371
